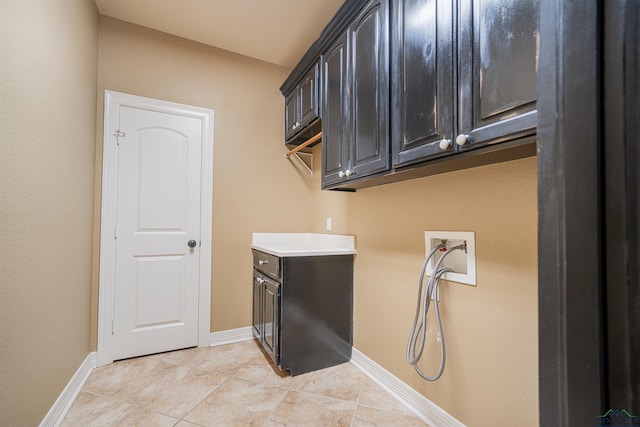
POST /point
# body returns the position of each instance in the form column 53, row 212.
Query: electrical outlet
column 462, row 262
column 329, row 224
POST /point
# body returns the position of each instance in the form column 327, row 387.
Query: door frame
column 112, row 101
column 588, row 223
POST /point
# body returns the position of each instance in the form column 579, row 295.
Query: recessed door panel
column 162, row 179
column 308, row 95
column 160, row 290
column 507, row 36
column 497, row 69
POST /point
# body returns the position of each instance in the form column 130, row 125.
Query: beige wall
column 491, row 330
column 50, row 216
column 255, row 188
column 48, row 65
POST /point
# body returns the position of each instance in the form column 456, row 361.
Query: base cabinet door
column 258, row 291
column 266, row 314
column 271, row 310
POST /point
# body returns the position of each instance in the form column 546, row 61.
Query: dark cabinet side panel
column 370, row 94
column 335, row 115
column 422, row 67
column 498, row 69
column 317, row 312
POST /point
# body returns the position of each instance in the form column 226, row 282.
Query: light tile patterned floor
column 231, row 385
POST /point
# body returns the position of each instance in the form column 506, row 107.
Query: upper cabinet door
column 423, row 75
column 335, row 115
column 291, row 115
column 497, row 70
column 308, row 96
column 369, row 128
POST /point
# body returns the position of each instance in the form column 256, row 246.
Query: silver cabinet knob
column 445, row 144
column 192, row 243
column 263, row 261
column 341, row 174
column 260, row 280
column 348, row 173
column 463, row 139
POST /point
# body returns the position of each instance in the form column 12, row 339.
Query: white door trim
column 108, row 216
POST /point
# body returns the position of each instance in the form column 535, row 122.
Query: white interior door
column 158, row 214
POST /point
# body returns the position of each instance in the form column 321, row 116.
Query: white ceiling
column 276, row 31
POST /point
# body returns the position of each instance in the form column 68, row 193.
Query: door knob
column 192, row 243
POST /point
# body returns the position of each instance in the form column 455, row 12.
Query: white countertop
column 303, row 244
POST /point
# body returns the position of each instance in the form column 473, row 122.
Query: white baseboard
column 425, row 409
column 230, row 336
column 61, row 406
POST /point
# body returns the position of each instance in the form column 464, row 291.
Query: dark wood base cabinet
column 303, row 310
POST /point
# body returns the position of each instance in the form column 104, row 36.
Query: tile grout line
column 205, row 398
column 278, row 405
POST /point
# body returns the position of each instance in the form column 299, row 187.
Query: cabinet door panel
column 422, row 67
column 308, row 97
column 291, row 116
column 334, row 113
column 271, row 317
column 370, row 93
column 498, row 67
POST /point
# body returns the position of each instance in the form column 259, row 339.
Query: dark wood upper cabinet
column 447, row 99
column 408, row 86
column 355, row 121
column 497, row 70
column 301, row 104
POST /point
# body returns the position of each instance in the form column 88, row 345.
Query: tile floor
column 231, row 385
